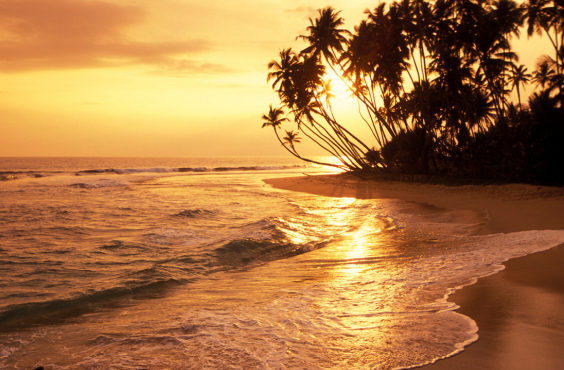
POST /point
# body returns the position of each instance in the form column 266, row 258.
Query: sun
column 338, row 88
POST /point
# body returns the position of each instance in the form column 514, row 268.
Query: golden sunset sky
column 166, row 78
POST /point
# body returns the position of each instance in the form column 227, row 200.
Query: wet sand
column 519, row 311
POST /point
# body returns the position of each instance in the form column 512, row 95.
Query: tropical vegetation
column 433, row 81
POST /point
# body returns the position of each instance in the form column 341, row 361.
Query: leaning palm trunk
column 295, row 154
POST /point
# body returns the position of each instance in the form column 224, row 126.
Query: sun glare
column 338, row 88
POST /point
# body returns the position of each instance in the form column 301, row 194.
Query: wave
column 257, row 168
column 129, row 170
column 17, row 317
column 154, row 282
column 265, row 240
column 15, row 175
column 188, row 169
column 115, row 245
column 37, row 174
column 194, row 213
column 245, row 251
column 247, row 168
column 104, row 183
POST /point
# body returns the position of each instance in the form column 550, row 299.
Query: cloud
column 302, row 10
column 178, row 68
column 67, row 34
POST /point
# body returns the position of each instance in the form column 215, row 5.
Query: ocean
column 152, row 263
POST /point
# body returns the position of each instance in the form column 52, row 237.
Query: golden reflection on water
column 358, row 238
column 342, row 212
column 357, row 251
column 355, row 273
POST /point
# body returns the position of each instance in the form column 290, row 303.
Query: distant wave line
column 38, row 173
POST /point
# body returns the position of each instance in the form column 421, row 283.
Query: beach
column 520, row 310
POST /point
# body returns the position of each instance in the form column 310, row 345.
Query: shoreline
column 520, row 310
column 510, row 207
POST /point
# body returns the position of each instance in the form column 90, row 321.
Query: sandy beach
column 519, row 311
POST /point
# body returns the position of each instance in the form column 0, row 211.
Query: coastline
column 520, row 310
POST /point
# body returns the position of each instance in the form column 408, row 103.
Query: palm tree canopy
column 519, row 76
column 325, row 36
column 543, row 74
column 272, row 118
column 282, row 69
column 292, row 138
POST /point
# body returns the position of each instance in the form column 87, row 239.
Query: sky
column 146, row 78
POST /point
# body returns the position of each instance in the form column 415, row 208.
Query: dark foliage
column 433, row 81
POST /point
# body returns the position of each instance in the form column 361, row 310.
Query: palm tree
column 543, row 74
column 547, row 15
column 282, row 74
column 492, row 50
column 509, row 16
column 325, row 37
column 273, row 119
column 519, row 76
column 541, row 16
column 292, row 138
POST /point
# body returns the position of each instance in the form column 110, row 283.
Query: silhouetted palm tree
column 509, row 15
column 543, row 74
column 292, row 138
column 519, row 76
column 547, row 16
column 282, row 74
column 274, row 119
column 325, row 37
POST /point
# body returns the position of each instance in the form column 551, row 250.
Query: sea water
column 124, row 263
